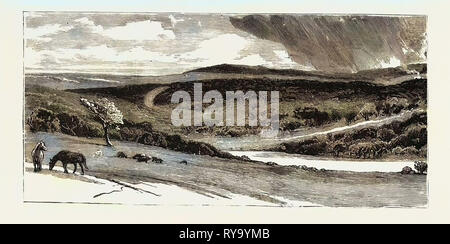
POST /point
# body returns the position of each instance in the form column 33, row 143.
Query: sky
column 142, row 43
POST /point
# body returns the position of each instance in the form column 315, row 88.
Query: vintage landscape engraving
column 288, row 110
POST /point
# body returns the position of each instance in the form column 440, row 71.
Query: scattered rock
column 139, row 155
column 246, row 158
column 311, row 169
column 97, row 154
column 157, row 160
column 142, row 157
column 271, row 164
column 121, row 155
column 183, row 162
column 407, row 171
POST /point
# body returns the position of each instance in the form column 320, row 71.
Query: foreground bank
column 222, row 178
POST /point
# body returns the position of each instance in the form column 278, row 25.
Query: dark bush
column 365, row 133
column 386, row 134
column 312, row 116
column 290, row 126
column 43, row 120
column 407, row 170
column 350, row 116
column 421, row 167
column 121, row 155
column 307, row 147
column 335, row 115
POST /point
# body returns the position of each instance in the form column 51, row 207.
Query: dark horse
column 38, row 155
column 67, row 157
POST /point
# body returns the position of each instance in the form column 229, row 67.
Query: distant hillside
column 63, row 81
column 254, row 70
column 364, row 75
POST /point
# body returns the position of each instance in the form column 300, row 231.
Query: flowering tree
column 106, row 113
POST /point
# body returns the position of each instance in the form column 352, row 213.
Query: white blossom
column 106, row 111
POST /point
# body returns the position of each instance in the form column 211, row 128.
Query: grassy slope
column 57, row 110
column 337, row 100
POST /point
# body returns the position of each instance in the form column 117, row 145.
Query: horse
column 67, row 157
column 38, row 155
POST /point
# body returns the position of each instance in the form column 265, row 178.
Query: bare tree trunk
column 106, row 135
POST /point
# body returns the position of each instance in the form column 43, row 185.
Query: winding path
column 363, row 124
column 150, row 96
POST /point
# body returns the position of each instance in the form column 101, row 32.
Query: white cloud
column 233, row 49
column 392, row 62
column 86, row 22
column 253, row 60
column 134, row 31
column 174, row 20
column 224, row 48
column 32, row 58
column 96, row 54
column 285, row 59
column 33, row 14
column 139, row 31
column 164, row 53
column 221, row 49
column 40, row 32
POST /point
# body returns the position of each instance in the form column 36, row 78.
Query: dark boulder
column 140, row 157
column 245, row 158
column 157, row 160
column 407, row 171
column 271, row 164
column 121, row 155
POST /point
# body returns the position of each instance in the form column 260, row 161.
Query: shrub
column 312, row 116
column 421, row 167
column 368, row 149
column 350, row 116
column 335, row 115
column 410, row 151
column 312, row 146
column 43, row 120
column 365, row 133
column 385, row 134
column 368, row 110
column 423, row 151
column 397, row 151
column 291, row 126
column 407, row 170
